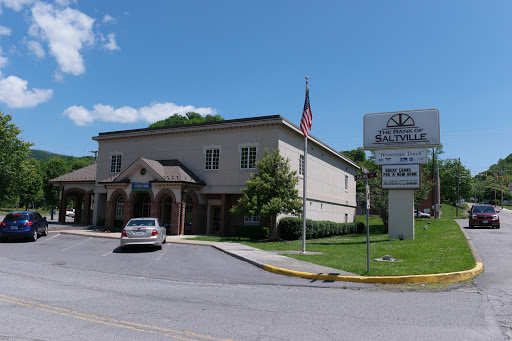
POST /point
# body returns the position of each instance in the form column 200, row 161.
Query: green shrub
column 291, row 228
column 252, row 232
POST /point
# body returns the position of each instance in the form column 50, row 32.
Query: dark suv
column 23, row 224
column 484, row 215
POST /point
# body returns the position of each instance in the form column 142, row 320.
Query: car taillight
column 124, row 233
column 3, row 223
column 154, row 233
column 28, row 223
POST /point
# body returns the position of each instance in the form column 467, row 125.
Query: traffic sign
column 366, row 176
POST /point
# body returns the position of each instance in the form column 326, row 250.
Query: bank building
column 189, row 176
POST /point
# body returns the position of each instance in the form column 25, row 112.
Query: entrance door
column 215, row 223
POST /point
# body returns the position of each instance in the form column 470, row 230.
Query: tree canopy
column 271, row 190
column 189, row 118
column 13, row 151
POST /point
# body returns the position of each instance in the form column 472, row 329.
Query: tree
column 79, row 163
column 31, row 184
column 55, row 168
column 13, row 150
column 271, row 191
column 357, row 155
column 451, row 173
column 189, row 118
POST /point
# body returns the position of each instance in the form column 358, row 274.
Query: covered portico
column 163, row 189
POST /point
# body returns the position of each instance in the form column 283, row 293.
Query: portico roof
column 170, row 171
column 86, row 174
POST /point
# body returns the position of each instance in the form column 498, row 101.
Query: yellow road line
column 109, row 321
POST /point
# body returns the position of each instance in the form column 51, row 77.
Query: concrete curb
column 450, row 277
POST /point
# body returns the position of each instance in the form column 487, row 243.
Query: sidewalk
column 277, row 263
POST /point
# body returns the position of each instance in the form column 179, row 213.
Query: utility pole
column 495, row 189
column 501, row 185
column 458, row 180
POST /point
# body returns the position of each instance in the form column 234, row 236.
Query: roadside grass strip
column 439, row 252
column 174, row 334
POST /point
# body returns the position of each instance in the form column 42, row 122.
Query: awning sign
column 141, row 186
column 401, row 177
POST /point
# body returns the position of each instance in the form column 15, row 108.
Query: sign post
column 365, row 177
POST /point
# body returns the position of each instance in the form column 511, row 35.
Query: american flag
column 305, row 122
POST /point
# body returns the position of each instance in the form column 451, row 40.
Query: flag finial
column 307, row 77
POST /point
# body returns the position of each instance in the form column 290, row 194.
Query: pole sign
column 400, row 156
column 401, row 177
column 366, row 176
column 416, row 129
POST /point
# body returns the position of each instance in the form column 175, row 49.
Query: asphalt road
column 66, row 287
column 495, row 283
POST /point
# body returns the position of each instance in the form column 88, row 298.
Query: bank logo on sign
column 400, row 120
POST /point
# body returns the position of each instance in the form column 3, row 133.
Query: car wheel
column 3, row 239
column 33, row 238
column 45, row 232
column 498, row 226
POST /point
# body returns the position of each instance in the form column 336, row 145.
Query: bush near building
column 291, row 228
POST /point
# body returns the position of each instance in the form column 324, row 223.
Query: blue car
column 27, row 224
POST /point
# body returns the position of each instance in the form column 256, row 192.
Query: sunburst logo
column 400, row 120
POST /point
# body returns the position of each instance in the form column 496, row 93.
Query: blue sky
column 72, row 69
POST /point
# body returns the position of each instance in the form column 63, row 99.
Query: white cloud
column 108, row 19
column 14, row 92
column 36, row 48
column 5, row 31
column 16, row 5
column 156, row 111
column 3, row 61
column 66, row 31
column 111, row 45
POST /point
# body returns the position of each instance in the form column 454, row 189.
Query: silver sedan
column 143, row 231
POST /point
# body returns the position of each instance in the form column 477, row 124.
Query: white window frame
column 115, row 168
column 247, row 163
column 252, row 220
column 301, row 165
column 211, row 163
column 120, row 208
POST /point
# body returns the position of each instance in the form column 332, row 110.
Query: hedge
column 252, row 232
column 291, row 228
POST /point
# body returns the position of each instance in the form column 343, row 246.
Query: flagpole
column 304, row 189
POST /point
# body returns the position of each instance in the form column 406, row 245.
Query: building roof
column 218, row 125
column 87, row 174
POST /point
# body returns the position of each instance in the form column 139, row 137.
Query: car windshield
column 16, row 217
column 483, row 209
column 141, row 222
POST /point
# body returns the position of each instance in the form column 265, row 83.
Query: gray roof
column 87, row 173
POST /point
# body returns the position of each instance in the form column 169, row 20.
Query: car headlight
column 495, row 216
column 474, row 216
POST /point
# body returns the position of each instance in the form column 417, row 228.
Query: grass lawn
column 450, row 211
column 440, row 248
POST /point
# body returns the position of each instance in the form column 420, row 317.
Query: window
column 301, row 165
column 115, row 163
column 120, row 208
column 253, row 219
column 346, row 182
column 211, row 159
column 146, row 206
column 248, row 157
column 346, row 217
